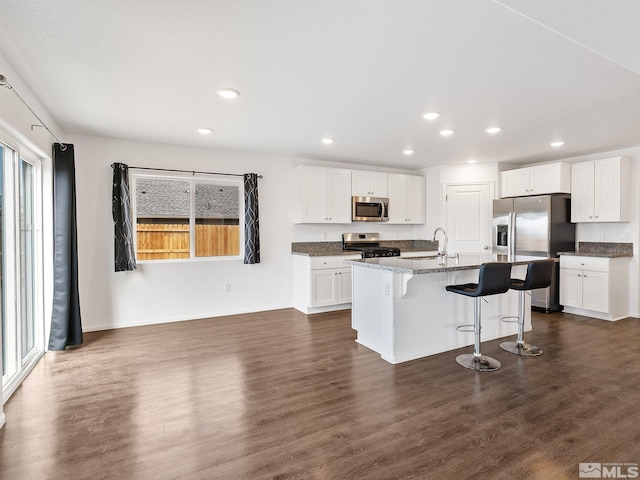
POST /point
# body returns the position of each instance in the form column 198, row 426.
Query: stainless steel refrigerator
column 536, row 226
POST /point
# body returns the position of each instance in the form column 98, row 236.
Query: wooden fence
column 169, row 241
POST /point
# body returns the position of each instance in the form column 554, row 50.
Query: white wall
column 441, row 175
column 172, row 291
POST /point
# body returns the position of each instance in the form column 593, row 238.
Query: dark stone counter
column 326, row 249
column 602, row 249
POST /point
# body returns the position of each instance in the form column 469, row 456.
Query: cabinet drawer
column 595, row 264
column 331, row 262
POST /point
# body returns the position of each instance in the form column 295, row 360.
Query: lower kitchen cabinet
column 321, row 284
column 595, row 286
column 330, row 286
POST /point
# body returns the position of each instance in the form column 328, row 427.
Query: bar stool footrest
column 466, row 328
column 510, row 319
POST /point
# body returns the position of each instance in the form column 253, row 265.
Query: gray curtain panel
column 66, row 324
column 251, row 224
column 124, row 254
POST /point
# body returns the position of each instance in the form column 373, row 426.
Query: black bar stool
column 494, row 278
column 539, row 274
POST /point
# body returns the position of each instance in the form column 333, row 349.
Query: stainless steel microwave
column 370, row 209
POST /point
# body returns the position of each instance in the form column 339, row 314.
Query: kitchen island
column 402, row 311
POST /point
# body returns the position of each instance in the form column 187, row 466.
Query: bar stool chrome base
column 521, row 348
column 479, row 363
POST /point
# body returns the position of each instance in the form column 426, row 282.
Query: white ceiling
column 360, row 71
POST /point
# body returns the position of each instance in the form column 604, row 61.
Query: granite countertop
column 328, row 249
column 602, row 249
column 422, row 265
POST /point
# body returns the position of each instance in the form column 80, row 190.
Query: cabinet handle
column 597, row 216
column 590, row 216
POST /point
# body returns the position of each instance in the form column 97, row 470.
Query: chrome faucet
column 441, row 252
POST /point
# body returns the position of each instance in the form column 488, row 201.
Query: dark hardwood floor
column 279, row 395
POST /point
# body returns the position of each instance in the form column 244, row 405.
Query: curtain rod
column 6, row 84
column 193, row 172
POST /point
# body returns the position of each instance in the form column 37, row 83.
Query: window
column 187, row 217
column 21, row 265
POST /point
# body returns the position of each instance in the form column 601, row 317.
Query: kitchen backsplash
column 605, row 248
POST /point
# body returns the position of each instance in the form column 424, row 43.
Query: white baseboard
column 157, row 321
column 331, row 308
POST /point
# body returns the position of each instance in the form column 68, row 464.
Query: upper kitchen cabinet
column 368, row 184
column 538, row 180
column 406, row 199
column 323, row 195
column 600, row 190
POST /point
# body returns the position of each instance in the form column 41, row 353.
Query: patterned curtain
column 251, row 224
column 66, row 324
column 124, row 255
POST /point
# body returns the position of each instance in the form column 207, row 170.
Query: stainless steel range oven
column 368, row 244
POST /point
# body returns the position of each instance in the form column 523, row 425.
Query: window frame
column 21, row 363
column 193, row 179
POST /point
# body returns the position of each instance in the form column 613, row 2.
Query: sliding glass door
column 21, row 260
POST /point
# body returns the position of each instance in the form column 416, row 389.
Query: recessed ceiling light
column 493, row 129
column 407, row 151
column 328, row 141
column 205, row 130
column 446, row 133
column 431, row 115
column 557, row 144
column 228, row 93
column 472, row 160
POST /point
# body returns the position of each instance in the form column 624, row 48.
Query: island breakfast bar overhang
column 401, row 310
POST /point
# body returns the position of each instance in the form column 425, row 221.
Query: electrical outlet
column 324, row 235
column 386, row 289
column 227, row 287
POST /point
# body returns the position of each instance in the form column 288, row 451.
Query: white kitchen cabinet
column 331, row 286
column 321, row 284
column 406, row 199
column 368, row 184
column 537, row 180
column 587, row 287
column 323, row 195
column 600, row 190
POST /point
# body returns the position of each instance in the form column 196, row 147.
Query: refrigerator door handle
column 512, row 228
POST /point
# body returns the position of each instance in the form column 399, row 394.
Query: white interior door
column 468, row 214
